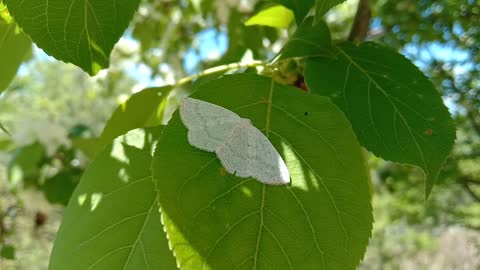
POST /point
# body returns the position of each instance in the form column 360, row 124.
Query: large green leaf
column 88, row 146
column 215, row 220
column 81, row 32
column 15, row 46
column 309, row 40
column 299, row 7
column 395, row 110
column 142, row 109
column 112, row 220
column 276, row 16
column 323, row 6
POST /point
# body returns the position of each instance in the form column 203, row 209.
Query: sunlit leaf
column 142, row 109
column 80, row 32
column 215, row 220
column 395, row 110
column 112, row 220
column 15, row 46
column 4, row 14
column 299, row 7
column 276, row 16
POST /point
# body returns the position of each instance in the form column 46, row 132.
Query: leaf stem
column 218, row 69
column 269, row 108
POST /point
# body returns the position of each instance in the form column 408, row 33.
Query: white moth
column 241, row 148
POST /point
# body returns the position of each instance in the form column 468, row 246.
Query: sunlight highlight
column 246, row 191
column 81, row 199
column 294, row 165
column 123, row 175
column 95, row 200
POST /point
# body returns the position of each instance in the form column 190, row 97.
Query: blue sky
column 211, row 44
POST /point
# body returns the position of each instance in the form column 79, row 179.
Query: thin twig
column 465, row 181
column 218, row 69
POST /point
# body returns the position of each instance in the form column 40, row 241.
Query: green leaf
column 4, row 14
column 323, row 6
column 276, row 16
column 80, row 32
column 15, row 46
column 112, row 220
column 308, row 40
column 6, row 144
column 7, row 252
column 142, row 109
column 88, row 146
column 215, row 220
column 395, row 110
column 59, row 188
column 25, row 164
column 299, row 7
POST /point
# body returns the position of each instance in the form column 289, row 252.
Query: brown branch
column 471, row 181
column 361, row 23
column 471, row 192
column 465, row 181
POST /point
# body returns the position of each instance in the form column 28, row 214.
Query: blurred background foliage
column 53, row 112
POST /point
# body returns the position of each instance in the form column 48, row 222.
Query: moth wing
column 247, row 152
column 208, row 124
column 208, row 139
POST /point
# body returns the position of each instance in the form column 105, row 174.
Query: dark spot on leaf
column 306, row 113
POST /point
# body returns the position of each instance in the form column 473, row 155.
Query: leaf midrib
column 332, row 199
column 140, row 234
column 262, row 205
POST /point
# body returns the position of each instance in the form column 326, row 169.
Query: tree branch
column 465, row 181
column 361, row 23
column 471, row 181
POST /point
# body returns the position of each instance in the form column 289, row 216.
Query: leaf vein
column 379, row 87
